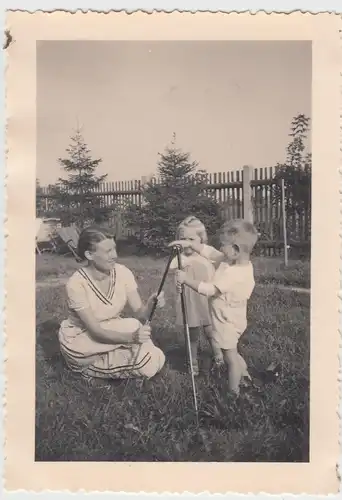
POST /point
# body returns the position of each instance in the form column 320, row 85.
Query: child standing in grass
column 95, row 340
column 228, row 290
column 196, row 268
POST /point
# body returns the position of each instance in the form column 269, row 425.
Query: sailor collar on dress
column 105, row 298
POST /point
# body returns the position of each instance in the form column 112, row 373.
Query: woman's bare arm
column 103, row 335
column 136, row 304
column 140, row 310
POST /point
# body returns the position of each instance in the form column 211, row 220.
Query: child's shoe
column 218, row 365
column 247, row 384
column 246, row 380
column 218, row 361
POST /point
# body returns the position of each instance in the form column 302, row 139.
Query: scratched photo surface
column 181, row 191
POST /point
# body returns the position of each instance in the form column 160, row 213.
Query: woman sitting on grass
column 95, row 341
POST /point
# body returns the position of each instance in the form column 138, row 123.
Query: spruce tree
column 296, row 171
column 75, row 194
column 178, row 191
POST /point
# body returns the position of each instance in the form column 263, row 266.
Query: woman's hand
column 142, row 335
column 160, row 300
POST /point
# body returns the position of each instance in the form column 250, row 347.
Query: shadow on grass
column 47, row 340
column 177, row 359
column 47, row 337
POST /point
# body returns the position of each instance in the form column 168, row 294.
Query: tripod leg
column 187, row 339
column 152, row 312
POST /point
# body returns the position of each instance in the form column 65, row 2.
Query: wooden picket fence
column 247, row 193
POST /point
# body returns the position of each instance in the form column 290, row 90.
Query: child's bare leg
column 216, row 349
column 194, row 341
column 244, row 368
column 231, row 357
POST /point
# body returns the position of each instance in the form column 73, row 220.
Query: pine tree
column 178, row 193
column 296, row 171
column 75, row 195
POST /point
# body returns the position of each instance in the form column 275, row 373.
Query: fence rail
column 247, row 193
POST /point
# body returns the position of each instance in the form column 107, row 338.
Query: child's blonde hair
column 192, row 222
column 241, row 233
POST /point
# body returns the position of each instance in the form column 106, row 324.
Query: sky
column 230, row 103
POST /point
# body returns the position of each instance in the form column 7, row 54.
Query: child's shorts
column 227, row 337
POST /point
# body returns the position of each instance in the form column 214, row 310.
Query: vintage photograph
column 172, row 257
column 173, row 245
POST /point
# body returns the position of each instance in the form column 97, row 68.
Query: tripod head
column 177, row 248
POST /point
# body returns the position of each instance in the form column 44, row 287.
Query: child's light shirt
column 228, row 307
column 235, row 285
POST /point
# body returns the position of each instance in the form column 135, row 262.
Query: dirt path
column 285, row 287
column 47, row 283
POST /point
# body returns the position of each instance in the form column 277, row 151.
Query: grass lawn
column 268, row 270
column 95, row 421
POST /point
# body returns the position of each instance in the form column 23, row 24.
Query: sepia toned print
column 185, row 321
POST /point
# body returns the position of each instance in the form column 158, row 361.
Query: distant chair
column 38, row 224
column 70, row 235
column 46, row 230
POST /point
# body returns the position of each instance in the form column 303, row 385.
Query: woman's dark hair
column 89, row 237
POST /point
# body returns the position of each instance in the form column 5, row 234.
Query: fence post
column 247, row 194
